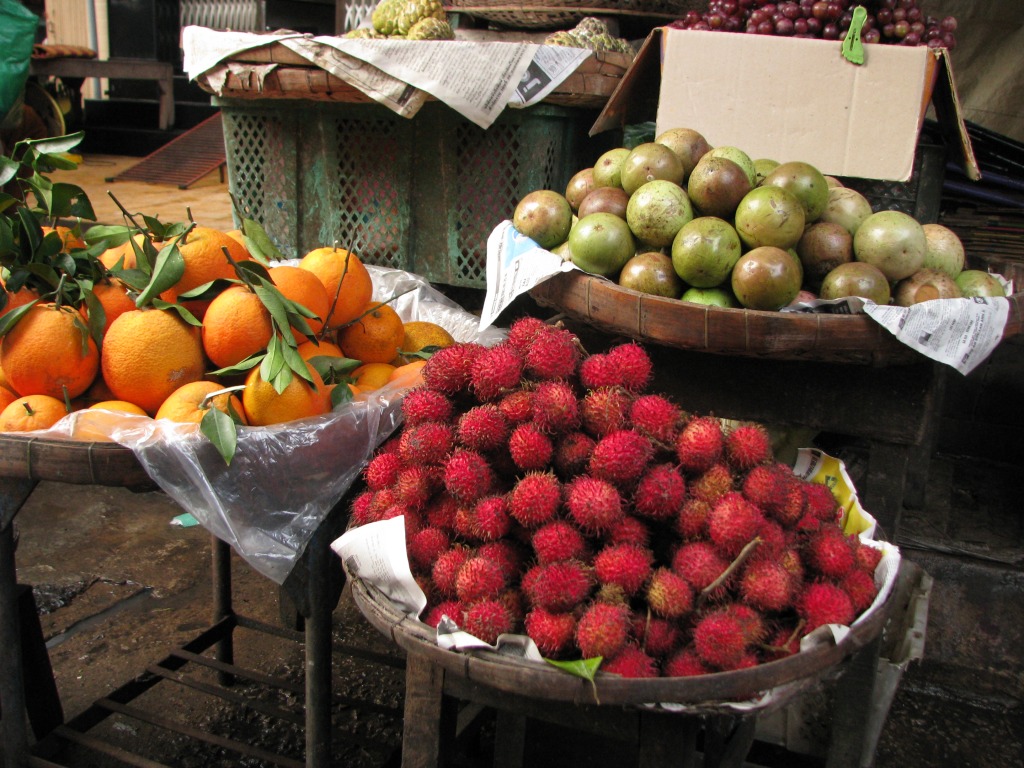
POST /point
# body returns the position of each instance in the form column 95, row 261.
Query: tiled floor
column 208, row 199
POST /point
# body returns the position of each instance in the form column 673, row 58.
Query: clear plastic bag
column 285, row 478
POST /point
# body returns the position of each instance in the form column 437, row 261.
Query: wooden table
column 74, row 70
column 437, row 679
column 315, row 588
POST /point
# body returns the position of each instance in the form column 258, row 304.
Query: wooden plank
column 421, row 734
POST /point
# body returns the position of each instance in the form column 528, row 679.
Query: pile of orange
column 150, row 361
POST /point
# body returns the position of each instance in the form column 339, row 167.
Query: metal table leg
column 222, row 608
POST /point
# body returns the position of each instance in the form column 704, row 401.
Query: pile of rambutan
column 546, row 492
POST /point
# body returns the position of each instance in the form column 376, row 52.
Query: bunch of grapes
column 888, row 21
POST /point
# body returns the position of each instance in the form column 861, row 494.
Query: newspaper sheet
column 477, row 79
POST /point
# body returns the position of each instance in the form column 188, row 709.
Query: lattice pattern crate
column 420, row 194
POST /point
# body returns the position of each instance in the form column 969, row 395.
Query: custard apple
column 385, row 16
column 364, row 33
column 565, row 38
column 416, row 10
column 431, row 28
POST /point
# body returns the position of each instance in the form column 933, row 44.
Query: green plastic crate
column 419, row 194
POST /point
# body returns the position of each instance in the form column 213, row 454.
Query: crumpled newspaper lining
column 284, row 478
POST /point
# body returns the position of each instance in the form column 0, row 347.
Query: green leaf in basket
column 219, row 428
column 585, row 668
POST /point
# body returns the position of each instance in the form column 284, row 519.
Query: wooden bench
column 74, row 70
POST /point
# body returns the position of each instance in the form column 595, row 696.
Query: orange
column 238, row 236
column 149, row 353
column 420, row 334
column 113, row 297
column 235, row 326
column 93, row 427
column 264, row 405
column 372, row 375
column 4, row 383
column 348, row 284
column 111, row 256
column 202, row 250
column 32, row 412
column 19, row 298
column 67, row 236
column 408, row 375
column 308, row 349
column 375, row 337
column 46, row 351
column 305, row 288
column 184, row 404
column 6, row 397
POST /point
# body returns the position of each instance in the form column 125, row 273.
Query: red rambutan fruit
column 605, row 410
column 530, row 448
column 719, row 639
column 479, row 578
column 556, row 541
column 448, row 369
column 700, row 444
column 382, row 470
column 415, row 485
column 669, row 595
column 782, row 644
column 822, row 603
column 517, row 406
column 552, row 632
column 572, row 454
column 595, row 505
column 773, row 540
column 867, row 557
column 625, row 565
column 820, row 502
column 748, row 445
column 440, row 511
column 685, row 663
column 621, row 456
column 631, row 662
column 453, row 609
column 446, row 569
column 596, row 371
column 555, row 408
column 557, row 587
column 425, row 404
column 495, row 371
column 506, row 554
column 860, row 586
column 830, row 552
column 426, row 443
column 661, row 493
column 766, row 586
column 486, row 619
column 628, row 530
column 657, row 417
column 733, row 522
column 699, row 563
column 692, row 520
column 760, row 485
column 552, row 354
column 362, row 509
column 602, row 630
column 788, row 504
column 535, row 499
column 657, row 636
column 522, row 331
column 482, row 428
column 790, row 560
column 490, row 519
column 634, row 366
column 426, row 546
column 468, row 476
column 712, row 484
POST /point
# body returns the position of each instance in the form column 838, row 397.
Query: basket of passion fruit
column 704, row 248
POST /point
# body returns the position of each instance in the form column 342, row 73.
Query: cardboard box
column 794, row 99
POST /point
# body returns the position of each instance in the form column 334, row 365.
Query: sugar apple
column 590, row 26
column 416, row 10
column 565, row 38
column 431, row 28
column 364, row 33
column 385, row 16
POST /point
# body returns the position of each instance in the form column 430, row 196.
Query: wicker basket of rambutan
column 546, row 493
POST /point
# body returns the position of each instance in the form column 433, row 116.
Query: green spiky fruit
column 412, row 11
column 385, row 16
column 589, row 26
column 564, row 38
column 364, row 33
column 431, row 28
